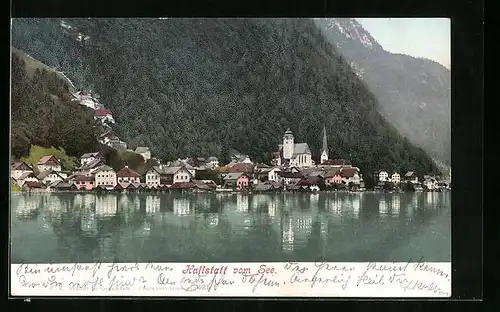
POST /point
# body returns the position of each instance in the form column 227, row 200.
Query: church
column 297, row 154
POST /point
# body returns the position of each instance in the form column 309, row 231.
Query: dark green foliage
column 43, row 115
column 203, row 86
column 369, row 181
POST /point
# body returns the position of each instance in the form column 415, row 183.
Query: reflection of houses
column 181, row 206
column 26, row 205
column 297, row 230
column 396, row 204
column 382, row 206
column 88, row 224
column 106, row 205
column 288, row 236
column 241, row 203
column 152, row 204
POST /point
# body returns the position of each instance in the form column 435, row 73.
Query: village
column 292, row 169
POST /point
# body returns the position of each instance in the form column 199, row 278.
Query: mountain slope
column 42, row 112
column 189, row 87
column 414, row 94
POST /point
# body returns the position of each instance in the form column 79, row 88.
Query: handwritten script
column 326, row 279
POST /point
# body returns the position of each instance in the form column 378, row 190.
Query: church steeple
column 324, row 149
column 325, row 143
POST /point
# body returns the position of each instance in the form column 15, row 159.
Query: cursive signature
column 258, row 279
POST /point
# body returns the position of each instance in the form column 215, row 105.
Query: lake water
column 333, row 227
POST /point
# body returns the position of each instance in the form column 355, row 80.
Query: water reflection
column 214, row 227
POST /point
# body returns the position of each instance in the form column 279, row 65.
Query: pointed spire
column 325, row 144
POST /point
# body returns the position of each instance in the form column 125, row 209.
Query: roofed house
column 171, row 175
column 49, row 176
column 411, row 176
column 144, row 152
column 88, row 157
column 213, row 161
column 104, row 115
column 90, row 167
column 289, row 178
column 26, row 177
column 65, row 186
column 333, row 177
column 127, row 175
column 18, row 169
column 350, row 175
column 34, row 186
column 201, row 185
column 153, row 176
column 236, row 180
column 49, row 162
column 241, row 167
column 84, row 182
column 183, row 185
column 105, row 177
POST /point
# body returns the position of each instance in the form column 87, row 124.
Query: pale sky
column 419, row 37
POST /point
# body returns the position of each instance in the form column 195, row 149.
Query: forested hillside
column 42, row 111
column 189, row 87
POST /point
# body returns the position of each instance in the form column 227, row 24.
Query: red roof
column 241, row 167
column 126, row 172
column 331, row 174
column 102, row 112
column 83, row 178
column 348, row 172
column 46, row 159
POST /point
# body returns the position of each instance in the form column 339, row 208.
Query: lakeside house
column 18, row 169
column 34, row 186
column 105, row 177
column 49, row 162
column 144, row 152
column 382, row 176
column 88, row 157
column 83, row 182
column 127, row 175
column 26, row 177
column 273, row 175
column 49, row 176
column 411, row 177
column 168, row 175
column 153, row 176
column 289, row 177
column 236, row 180
column 395, row 178
column 350, row 175
column 333, row 177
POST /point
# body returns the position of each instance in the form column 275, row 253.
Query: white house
column 49, row 162
column 19, row 169
column 144, row 152
column 89, row 168
column 88, row 157
column 105, row 176
column 350, row 175
column 26, row 177
column 153, row 176
column 272, row 175
column 127, row 175
column 383, row 176
column 49, row 176
column 213, row 161
column 177, row 174
column 410, row 176
column 395, row 177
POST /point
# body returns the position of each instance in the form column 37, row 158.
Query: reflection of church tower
column 288, row 144
column 324, row 149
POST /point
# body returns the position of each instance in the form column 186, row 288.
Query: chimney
column 126, row 166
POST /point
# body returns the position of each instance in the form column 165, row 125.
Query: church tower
column 288, row 144
column 324, row 149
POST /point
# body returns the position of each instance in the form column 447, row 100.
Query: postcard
column 203, row 157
